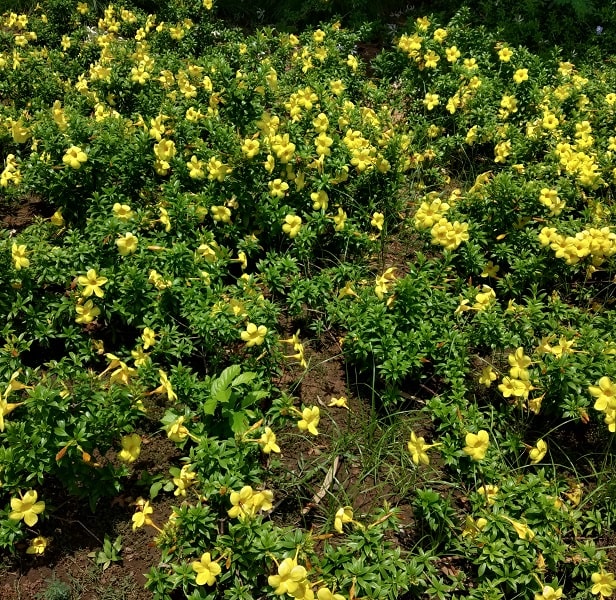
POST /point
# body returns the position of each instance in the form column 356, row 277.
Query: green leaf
column 223, row 395
column 221, row 386
column 209, row 407
column 253, row 397
column 155, row 488
column 243, row 378
column 228, row 375
column 238, row 422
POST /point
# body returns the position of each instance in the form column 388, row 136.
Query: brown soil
column 18, row 215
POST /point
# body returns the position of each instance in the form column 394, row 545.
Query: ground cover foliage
column 217, row 206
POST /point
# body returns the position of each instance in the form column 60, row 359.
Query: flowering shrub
column 199, row 198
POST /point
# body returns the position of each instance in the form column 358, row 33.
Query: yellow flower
column 253, row 335
column 452, row 54
column 505, row 54
column 206, row 570
column 250, row 148
column 489, row 491
column 477, row 444
column 537, row 452
column 484, row 299
column 74, row 157
column 337, row 87
column 518, row 388
column 38, row 545
column 92, row 282
column 131, row 448
column 326, row 594
column 378, row 219
column 524, row 531
column 417, row 447
column 6, row 408
column 246, row 503
column 518, row 361
column 165, row 386
column 127, row 244
column 310, row 420
column 347, row 290
column 142, row 517
column 139, row 356
column 343, row 515
column 221, row 214
column 208, row 4
column 268, row 441
column 241, row 503
column 520, row 75
column 176, row 431
column 292, row 225
column 87, row 312
column 278, row 188
column 26, row 508
column 490, row 270
column 604, row 584
column 269, row 164
column 291, row 579
column 549, row 593
column 439, row 35
column 605, row 393
column 431, row 59
column 122, row 211
column 422, row 23
column 19, row 256
column 472, row 527
column 339, row 402
column 487, row 376
column 57, row 219
column 195, row 168
column 431, row 100
column 340, row 219
column 185, row 479
column 149, row 338
column 320, row 200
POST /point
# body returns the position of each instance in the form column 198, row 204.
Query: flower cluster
column 517, row 384
column 247, row 503
column 605, row 393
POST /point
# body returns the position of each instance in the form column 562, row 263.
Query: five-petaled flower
column 477, row 444
column 19, row 255
column 292, row 225
column 310, row 420
column 538, row 452
column 92, row 284
column 291, row 579
column 549, row 593
column 206, row 569
column 417, row 447
column 603, row 584
column 131, row 448
column 38, row 545
column 26, row 508
column 254, row 335
column 268, row 441
column 74, row 157
column 127, row 244
column 142, row 517
column 343, row 515
column 86, row 312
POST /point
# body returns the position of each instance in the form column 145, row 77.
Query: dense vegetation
column 214, row 208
